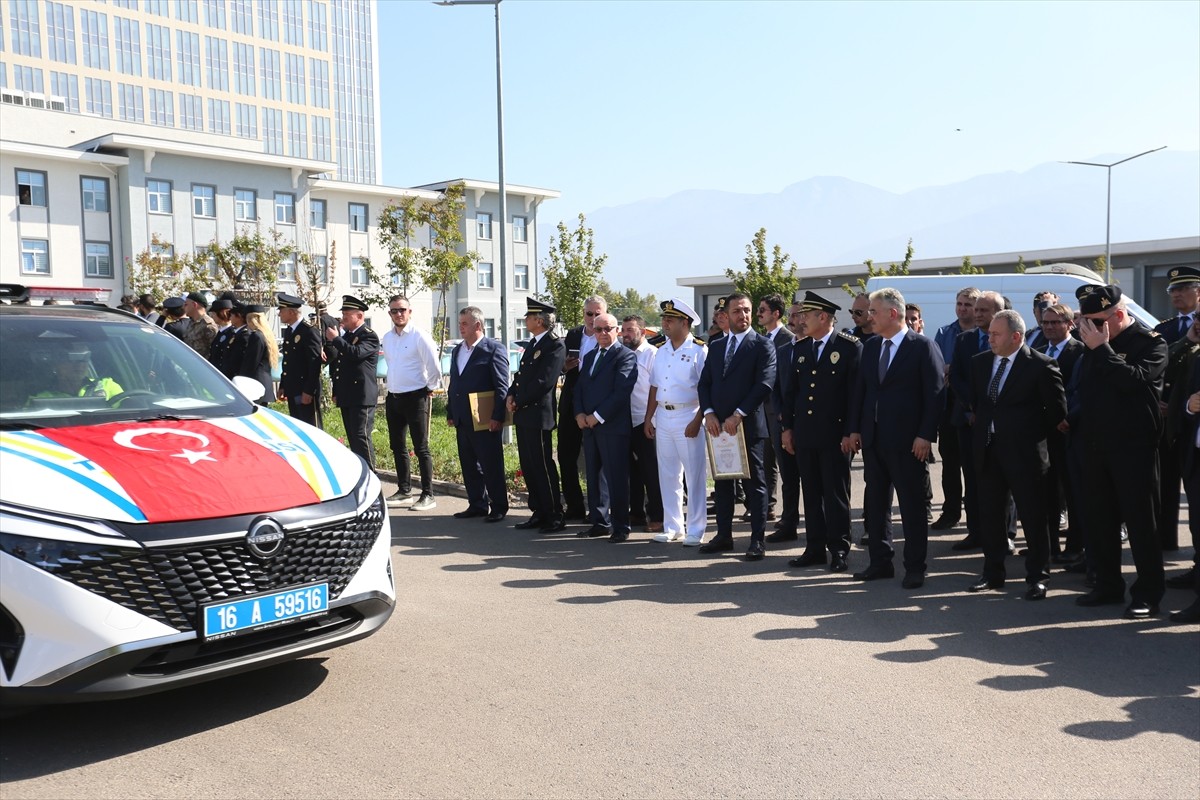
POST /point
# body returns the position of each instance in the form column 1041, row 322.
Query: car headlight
column 54, row 555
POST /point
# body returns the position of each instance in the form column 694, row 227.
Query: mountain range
column 829, row 221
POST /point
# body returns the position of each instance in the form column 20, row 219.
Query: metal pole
column 504, row 333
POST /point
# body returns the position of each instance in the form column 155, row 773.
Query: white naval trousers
column 680, row 457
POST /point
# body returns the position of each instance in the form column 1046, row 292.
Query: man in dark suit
column 355, row 390
column 771, row 311
column 815, row 408
column 893, row 419
column 737, row 377
column 580, row 341
column 1017, row 395
column 1063, row 479
column 602, row 412
column 1186, row 413
column 479, row 364
column 300, row 375
column 531, row 402
column 1120, row 382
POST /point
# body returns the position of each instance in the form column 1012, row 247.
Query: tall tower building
column 298, row 77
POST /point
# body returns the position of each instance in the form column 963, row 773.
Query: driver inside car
column 73, row 375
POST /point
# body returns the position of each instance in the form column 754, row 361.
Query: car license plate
column 254, row 613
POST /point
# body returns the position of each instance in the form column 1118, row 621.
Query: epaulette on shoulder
column 698, row 340
column 847, row 336
column 1153, row 333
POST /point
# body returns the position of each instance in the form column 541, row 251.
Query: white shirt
column 676, row 373
column 640, row 398
column 895, row 340
column 1007, row 370
column 586, row 345
column 412, row 360
column 465, row 351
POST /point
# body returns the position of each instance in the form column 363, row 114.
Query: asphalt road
column 521, row 665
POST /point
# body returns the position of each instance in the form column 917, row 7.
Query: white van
column 935, row 294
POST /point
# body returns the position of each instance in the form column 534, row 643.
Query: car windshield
column 75, row 366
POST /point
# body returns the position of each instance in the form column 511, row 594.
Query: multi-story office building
column 84, row 189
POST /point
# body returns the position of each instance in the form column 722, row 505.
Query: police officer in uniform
column 354, row 388
column 531, row 401
column 176, row 322
column 1120, row 381
column 674, row 422
column 300, row 375
column 222, row 310
column 239, row 335
column 815, row 412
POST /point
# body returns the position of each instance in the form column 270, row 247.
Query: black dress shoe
column 983, row 584
column 876, row 572
column 529, row 524
column 554, row 526
column 495, row 516
column 808, row 559
column 913, row 580
column 971, row 542
column 756, row 552
column 616, row 537
column 1139, row 609
column 1097, row 598
column 1189, row 614
column 1036, row 591
column 783, row 535
column 1186, row 580
column 469, row 513
column 945, row 522
column 838, row 563
column 596, row 531
column 717, row 546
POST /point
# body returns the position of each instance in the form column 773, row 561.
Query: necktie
column 729, row 351
column 994, row 386
column 1052, row 351
column 596, row 362
column 885, row 358
column 983, row 342
column 1184, row 322
column 816, row 350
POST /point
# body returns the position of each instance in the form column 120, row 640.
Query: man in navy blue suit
column 737, row 377
column 479, row 364
column 607, row 376
column 894, row 411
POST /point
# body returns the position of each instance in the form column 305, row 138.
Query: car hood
column 174, row 470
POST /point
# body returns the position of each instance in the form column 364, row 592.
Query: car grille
column 170, row 584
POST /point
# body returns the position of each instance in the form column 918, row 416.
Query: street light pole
column 504, row 334
column 1108, row 211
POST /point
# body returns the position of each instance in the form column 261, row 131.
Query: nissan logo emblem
column 265, row 538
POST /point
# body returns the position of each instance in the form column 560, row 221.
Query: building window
column 99, row 96
column 321, row 269
column 319, row 74
column 191, row 112
column 272, row 131
column 60, row 32
column 35, row 257
column 269, row 73
column 31, row 188
column 358, row 217
column 293, row 18
column 520, row 331
column 322, row 139
column 205, row 255
column 98, row 260
column 483, row 226
column 95, row 194
column 287, row 268
column 484, row 272
column 158, row 7
column 129, row 46
column 217, row 55
column 285, row 208
column 67, row 87
column 489, row 327
column 187, row 57
column 214, row 14
column 268, row 21
column 247, row 121
column 26, row 28
column 162, row 108
column 318, row 26
column 158, row 52
column 297, row 134
column 204, row 200
column 158, row 196
column 187, row 11
column 521, row 277
column 242, row 18
column 218, row 116
column 30, row 80
column 95, row 38
column 294, row 78
column 316, row 214
column 358, row 273
column 130, row 102
column 245, row 203
column 243, row 68
column 519, row 229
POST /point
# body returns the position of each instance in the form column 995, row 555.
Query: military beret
column 199, row 298
column 1095, row 299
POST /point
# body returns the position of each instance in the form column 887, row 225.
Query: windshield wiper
column 171, row 417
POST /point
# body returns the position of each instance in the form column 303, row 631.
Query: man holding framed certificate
column 737, row 377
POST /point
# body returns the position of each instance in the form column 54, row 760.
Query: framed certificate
column 482, row 405
column 727, row 457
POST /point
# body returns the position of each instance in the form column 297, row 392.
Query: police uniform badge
column 834, row 357
column 354, row 340
column 800, row 360
column 296, row 339
column 537, row 354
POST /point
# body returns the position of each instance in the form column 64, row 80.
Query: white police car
column 156, row 527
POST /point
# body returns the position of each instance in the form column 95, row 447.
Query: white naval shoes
column 668, row 537
column 690, row 542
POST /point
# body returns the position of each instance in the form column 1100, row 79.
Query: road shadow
column 53, row 739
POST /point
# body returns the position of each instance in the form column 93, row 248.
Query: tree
column 314, row 281
column 1020, row 264
column 968, row 268
column 442, row 264
column 875, row 272
column 573, row 271
column 630, row 301
column 249, row 263
column 397, row 225
column 160, row 272
column 761, row 278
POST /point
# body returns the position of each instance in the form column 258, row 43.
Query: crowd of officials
column 1081, row 428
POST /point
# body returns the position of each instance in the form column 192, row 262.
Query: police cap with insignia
column 253, row 308
column 720, row 306
column 680, row 310
column 352, row 303
column 172, row 303
column 288, row 300
column 1180, row 277
column 537, row 307
column 222, row 303
column 1096, row 299
column 198, row 298
column 814, row 302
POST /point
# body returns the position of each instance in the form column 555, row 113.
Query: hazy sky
column 611, row 102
